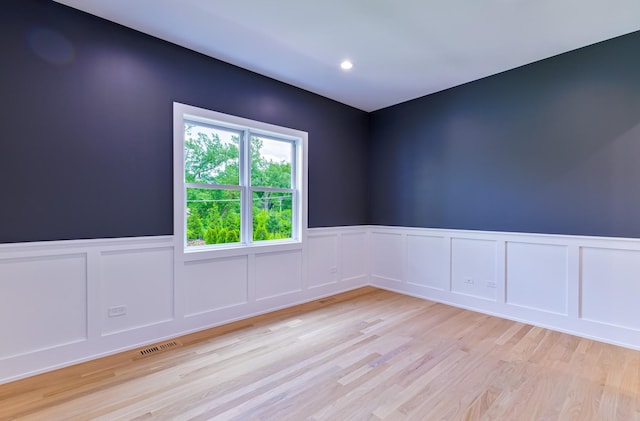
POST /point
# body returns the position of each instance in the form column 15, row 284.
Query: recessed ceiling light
column 346, row 65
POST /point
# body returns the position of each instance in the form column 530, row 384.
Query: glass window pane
column 272, row 215
column 271, row 162
column 211, row 155
column 213, row 216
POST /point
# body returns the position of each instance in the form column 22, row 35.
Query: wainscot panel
column 136, row 288
column 610, row 287
column 323, row 260
column 353, row 255
column 215, row 284
column 473, row 267
column 537, row 275
column 28, row 292
column 387, row 255
column 278, row 273
column 426, row 261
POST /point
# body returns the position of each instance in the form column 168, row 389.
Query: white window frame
column 186, row 113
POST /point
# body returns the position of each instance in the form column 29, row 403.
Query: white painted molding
column 587, row 286
column 56, row 296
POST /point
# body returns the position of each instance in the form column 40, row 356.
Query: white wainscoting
column 140, row 279
column 588, row 286
column 54, row 310
column 58, row 299
column 278, row 274
column 215, row 284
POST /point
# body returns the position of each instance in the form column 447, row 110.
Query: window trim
column 184, row 112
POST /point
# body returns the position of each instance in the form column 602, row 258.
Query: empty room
column 338, row 210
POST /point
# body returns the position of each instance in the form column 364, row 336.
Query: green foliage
column 268, row 173
column 195, row 229
column 213, row 215
column 260, row 225
column 209, row 160
column 220, row 235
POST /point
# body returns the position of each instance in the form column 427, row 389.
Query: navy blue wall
column 86, row 145
column 551, row 147
column 86, row 117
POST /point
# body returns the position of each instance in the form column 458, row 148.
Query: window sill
column 216, row 252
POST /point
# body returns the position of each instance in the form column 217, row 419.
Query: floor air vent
column 155, row 349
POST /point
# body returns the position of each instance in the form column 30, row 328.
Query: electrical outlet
column 491, row 284
column 117, row 311
column 468, row 281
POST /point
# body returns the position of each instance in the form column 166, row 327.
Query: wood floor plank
column 364, row 355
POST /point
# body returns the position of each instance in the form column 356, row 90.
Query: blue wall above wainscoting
column 87, row 118
column 551, row 147
column 86, row 149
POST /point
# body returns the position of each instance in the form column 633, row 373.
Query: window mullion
column 295, row 185
column 245, row 179
column 294, row 166
column 184, row 215
column 295, row 217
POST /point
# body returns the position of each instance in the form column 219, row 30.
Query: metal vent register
column 158, row 348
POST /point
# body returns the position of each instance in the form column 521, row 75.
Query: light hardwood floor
column 367, row 354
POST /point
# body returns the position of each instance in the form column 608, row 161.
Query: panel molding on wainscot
column 473, row 267
column 28, row 292
column 387, row 250
column 323, row 260
column 434, row 272
column 586, row 286
column 141, row 280
column 538, row 276
column 610, row 287
column 353, row 254
column 58, row 296
column 71, row 301
column 215, row 284
column 277, row 274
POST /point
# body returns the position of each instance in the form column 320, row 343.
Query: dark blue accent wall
column 86, row 144
column 551, row 147
column 86, row 117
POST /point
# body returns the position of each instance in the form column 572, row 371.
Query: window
column 237, row 182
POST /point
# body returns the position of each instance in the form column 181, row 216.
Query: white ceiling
column 401, row 49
